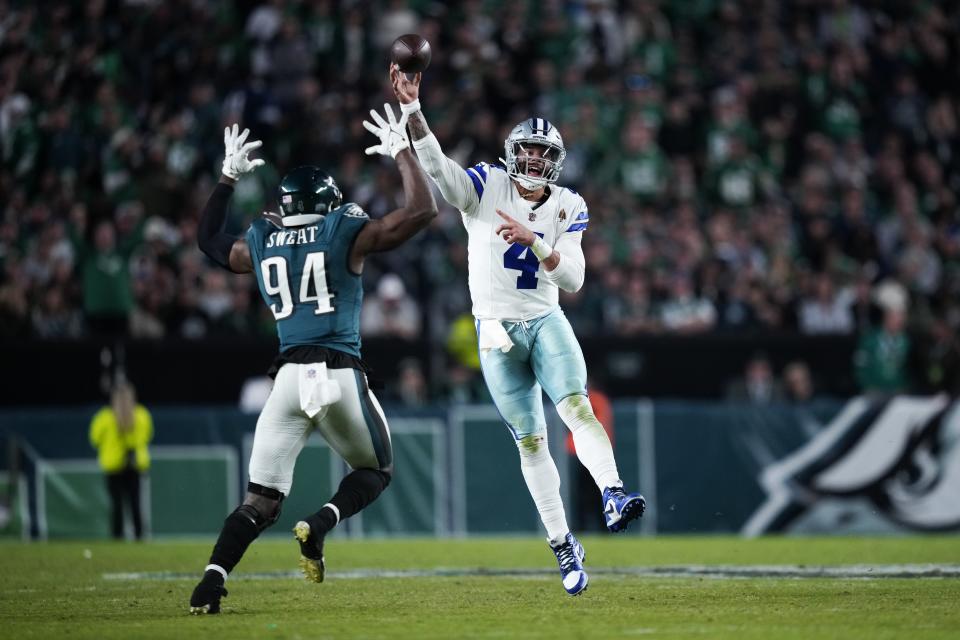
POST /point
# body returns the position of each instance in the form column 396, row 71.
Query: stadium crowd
column 748, row 165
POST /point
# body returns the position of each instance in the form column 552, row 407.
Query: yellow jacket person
column 121, row 433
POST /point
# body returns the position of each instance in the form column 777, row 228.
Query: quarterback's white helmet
column 534, row 172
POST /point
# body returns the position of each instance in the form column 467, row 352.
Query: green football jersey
column 305, row 278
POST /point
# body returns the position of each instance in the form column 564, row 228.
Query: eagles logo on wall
column 880, row 464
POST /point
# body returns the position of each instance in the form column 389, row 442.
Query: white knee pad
column 591, row 441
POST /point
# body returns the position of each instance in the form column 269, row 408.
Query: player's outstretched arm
column 455, row 183
column 229, row 251
column 399, row 225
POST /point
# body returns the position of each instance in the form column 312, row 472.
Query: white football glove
column 235, row 160
column 392, row 134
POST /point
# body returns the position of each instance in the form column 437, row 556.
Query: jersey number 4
column 276, row 282
column 522, row 259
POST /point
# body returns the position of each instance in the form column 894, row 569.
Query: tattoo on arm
column 418, row 126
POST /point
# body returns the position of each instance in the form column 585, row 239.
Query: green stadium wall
column 704, row 467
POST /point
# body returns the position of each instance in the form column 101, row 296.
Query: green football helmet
column 306, row 194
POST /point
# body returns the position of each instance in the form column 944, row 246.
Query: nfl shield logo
column 532, row 217
column 563, row 215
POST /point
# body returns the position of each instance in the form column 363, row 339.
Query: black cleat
column 206, row 596
column 311, row 549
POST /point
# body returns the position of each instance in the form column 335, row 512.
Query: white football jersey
column 506, row 280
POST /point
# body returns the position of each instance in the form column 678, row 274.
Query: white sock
column 591, row 441
column 216, row 568
column 543, row 482
column 333, row 508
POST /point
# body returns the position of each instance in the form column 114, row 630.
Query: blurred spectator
column 410, row 389
column 744, row 145
column 843, row 22
column 890, row 294
column 641, row 167
column 390, row 311
column 684, row 311
column 866, row 312
column 215, row 300
column 14, row 310
column 738, row 180
column 601, row 46
column 880, row 362
column 633, row 312
column 462, row 382
column 797, row 382
column 121, row 433
column 758, row 386
column 53, row 319
column 826, row 310
column 936, row 358
column 462, row 341
column 104, row 268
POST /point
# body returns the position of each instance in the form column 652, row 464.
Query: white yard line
column 677, row 571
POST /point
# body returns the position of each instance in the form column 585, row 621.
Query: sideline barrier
column 864, row 466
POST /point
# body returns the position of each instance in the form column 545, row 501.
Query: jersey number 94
column 276, row 282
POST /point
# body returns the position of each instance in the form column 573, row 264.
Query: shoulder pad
column 579, row 203
column 353, row 210
column 272, row 218
column 478, row 174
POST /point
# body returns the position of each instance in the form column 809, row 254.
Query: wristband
column 217, row 568
column 410, row 107
column 541, row 249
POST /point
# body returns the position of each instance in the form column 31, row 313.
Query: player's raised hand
column 392, row 133
column 236, row 149
column 512, row 231
column 406, row 86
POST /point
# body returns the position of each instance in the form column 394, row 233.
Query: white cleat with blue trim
column 620, row 508
column 570, row 557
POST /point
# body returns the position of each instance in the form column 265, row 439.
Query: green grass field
column 73, row 590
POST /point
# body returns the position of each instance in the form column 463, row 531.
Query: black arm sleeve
column 211, row 237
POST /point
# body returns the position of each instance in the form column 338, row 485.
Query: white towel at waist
column 317, row 390
column 492, row 335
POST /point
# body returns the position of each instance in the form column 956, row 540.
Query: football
column 411, row 53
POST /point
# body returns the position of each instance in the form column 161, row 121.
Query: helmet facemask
column 534, row 156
